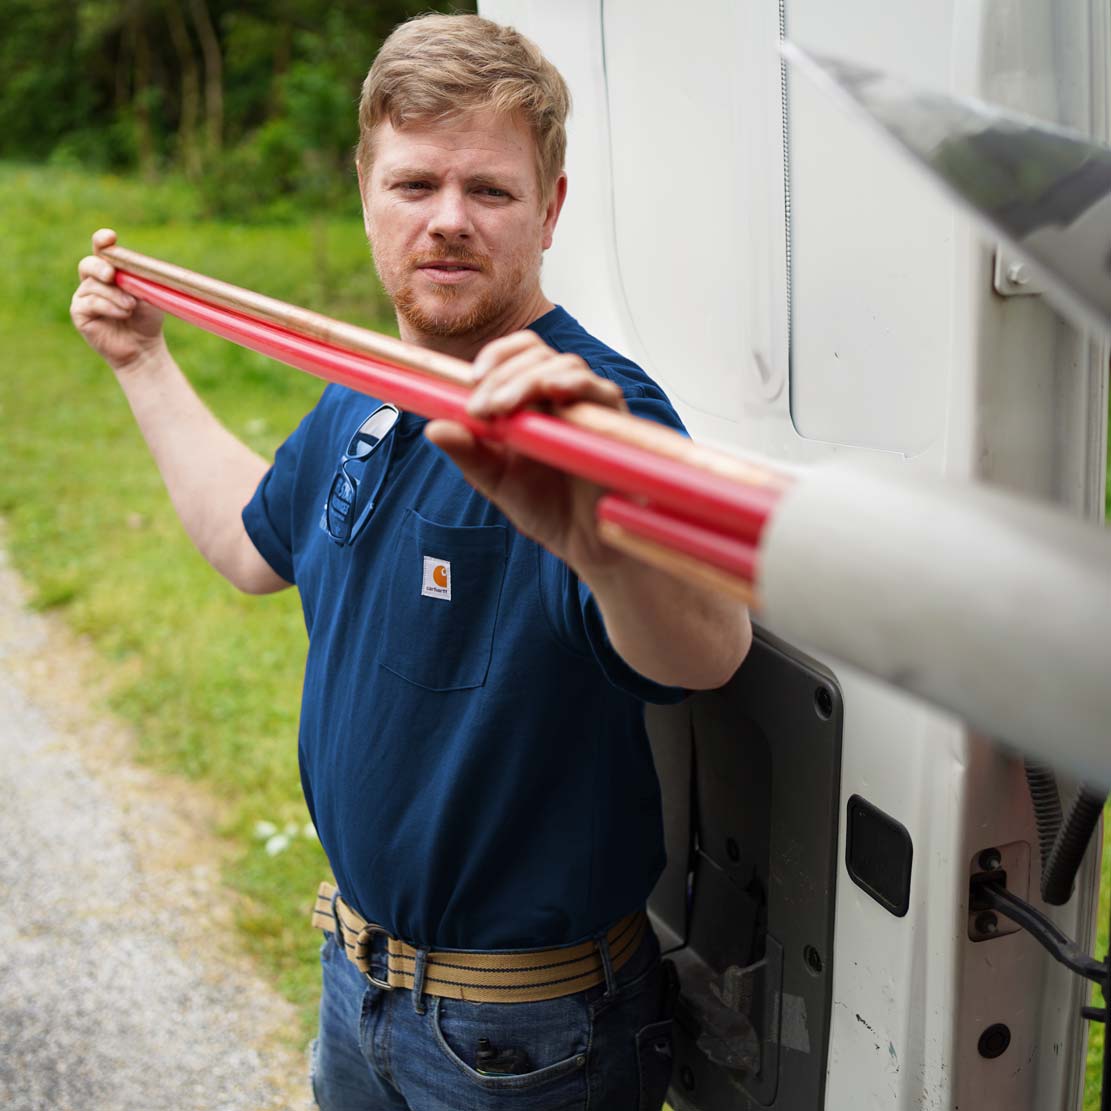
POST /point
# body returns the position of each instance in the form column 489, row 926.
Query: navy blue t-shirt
column 472, row 748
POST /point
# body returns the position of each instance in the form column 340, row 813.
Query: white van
column 803, row 294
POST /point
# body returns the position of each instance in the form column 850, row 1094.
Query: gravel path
column 121, row 988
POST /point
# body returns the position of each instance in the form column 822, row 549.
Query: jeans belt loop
column 419, row 967
column 338, row 930
column 607, row 967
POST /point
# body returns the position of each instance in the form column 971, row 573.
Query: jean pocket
column 553, row 1036
column 655, row 1055
column 442, row 603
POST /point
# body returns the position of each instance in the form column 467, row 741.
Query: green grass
column 210, row 679
column 1094, row 1069
column 1092, row 1080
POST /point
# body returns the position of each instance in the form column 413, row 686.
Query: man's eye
column 493, row 191
column 414, row 186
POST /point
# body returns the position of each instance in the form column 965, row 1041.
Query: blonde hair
column 435, row 66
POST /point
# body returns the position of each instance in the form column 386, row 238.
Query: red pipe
column 704, row 544
column 701, row 496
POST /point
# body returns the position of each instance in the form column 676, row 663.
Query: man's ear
column 553, row 208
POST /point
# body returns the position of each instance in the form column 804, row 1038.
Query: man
column 472, row 741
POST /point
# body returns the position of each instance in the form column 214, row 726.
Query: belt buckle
column 362, row 949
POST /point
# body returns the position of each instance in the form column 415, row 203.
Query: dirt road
column 122, row 987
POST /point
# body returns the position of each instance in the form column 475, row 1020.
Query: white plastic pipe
column 983, row 603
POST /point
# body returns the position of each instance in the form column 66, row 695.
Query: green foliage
column 269, row 117
column 38, row 101
column 255, row 179
column 211, row 679
column 1096, row 1031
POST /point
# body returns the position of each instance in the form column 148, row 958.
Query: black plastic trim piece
column 879, row 854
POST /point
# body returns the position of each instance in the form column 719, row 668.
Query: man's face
column 455, row 218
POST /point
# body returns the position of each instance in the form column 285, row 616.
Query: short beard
column 446, row 324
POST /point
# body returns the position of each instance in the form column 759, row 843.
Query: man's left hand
column 669, row 630
column 553, row 508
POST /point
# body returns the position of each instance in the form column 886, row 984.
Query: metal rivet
column 1017, row 274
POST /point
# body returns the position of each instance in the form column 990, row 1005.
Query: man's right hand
column 209, row 473
column 122, row 329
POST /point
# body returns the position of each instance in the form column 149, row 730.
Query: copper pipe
column 611, row 423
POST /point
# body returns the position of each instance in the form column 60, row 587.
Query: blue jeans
column 598, row 1049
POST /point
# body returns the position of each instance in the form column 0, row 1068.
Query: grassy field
column 209, row 679
column 1092, row 1080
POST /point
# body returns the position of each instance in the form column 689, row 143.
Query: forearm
column 668, row 630
column 209, row 474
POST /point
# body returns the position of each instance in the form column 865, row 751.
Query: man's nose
column 450, row 218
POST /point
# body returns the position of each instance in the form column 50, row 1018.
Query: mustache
column 454, row 254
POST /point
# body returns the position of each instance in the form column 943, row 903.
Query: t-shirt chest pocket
column 442, row 603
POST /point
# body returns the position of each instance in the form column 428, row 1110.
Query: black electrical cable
column 1070, row 845
column 1043, row 929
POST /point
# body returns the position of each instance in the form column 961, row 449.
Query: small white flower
column 291, row 829
column 309, row 832
column 264, row 830
column 277, row 844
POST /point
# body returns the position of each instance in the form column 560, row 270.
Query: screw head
column 989, row 860
column 1017, row 274
column 994, row 1041
column 823, row 703
column 986, row 923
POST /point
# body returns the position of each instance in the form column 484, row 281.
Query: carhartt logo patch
column 437, row 578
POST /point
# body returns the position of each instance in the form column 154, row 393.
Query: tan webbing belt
column 501, row 977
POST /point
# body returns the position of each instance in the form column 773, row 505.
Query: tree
column 248, row 94
column 213, row 77
column 188, row 146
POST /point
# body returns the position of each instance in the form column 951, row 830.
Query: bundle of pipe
column 697, row 512
column 975, row 600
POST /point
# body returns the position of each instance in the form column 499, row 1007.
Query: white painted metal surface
column 873, row 246
column 884, row 341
